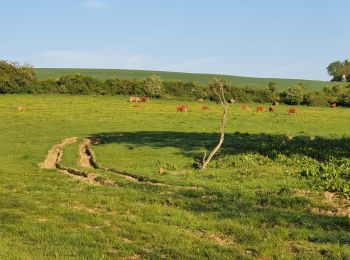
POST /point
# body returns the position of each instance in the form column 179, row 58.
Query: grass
column 252, row 202
column 281, row 84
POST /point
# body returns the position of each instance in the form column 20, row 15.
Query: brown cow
column 260, row 109
column 205, row 107
column 275, row 103
column 134, row 99
column 21, row 108
column 182, row 108
column 293, row 110
column 144, row 99
column 245, row 107
column 272, row 109
column 334, row 105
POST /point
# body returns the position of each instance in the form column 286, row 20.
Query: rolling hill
column 239, row 81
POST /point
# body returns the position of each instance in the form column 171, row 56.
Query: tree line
column 18, row 78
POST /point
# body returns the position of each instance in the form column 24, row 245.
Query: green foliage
column 15, row 77
column 332, row 175
column 339, row 94
column 185, row 89
column 153, row 86
column 294, row 95
column 316, row 99
column 338, row 68
column 202, row 79
column 80, row 84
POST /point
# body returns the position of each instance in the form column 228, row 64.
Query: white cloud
column 101, row 58
column 119, row 58
column 95, row 4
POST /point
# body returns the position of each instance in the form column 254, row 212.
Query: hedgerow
column 17, row 79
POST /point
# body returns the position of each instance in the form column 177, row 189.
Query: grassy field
column 281, row 84
column 252, row 202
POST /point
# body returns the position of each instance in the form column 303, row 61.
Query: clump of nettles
column 332, row 175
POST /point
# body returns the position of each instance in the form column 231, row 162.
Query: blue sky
column 263, row 38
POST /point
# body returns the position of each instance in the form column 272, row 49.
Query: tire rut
column 54, row 158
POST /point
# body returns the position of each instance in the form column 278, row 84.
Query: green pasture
column 255, row 200
column 281, row 84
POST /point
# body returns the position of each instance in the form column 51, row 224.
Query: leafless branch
column 219, row 91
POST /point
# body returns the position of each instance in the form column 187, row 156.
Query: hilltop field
column 261, row 83
column 97, row 177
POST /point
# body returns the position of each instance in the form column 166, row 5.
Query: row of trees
column 339, row 70
column 16, row 78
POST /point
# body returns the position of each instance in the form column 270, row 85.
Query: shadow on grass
column 192, row 144
column 275, row 209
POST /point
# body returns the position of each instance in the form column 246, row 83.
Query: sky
column 260, row 38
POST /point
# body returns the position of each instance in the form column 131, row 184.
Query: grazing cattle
column 293, row 110
column 182, row 108
column 200, row 100
column 21, row 108
column 232, row 101
column 205, row 107
column 260, row 109
column 275, row 103
column 145, row 99
column 272, row 109
column 333, row 105
column 134, row 99
column 245, row 107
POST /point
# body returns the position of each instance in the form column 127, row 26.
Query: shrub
column 16, row 77
column 47, row 86
column 315, row 99
column 294, row 95
column 153, row 86
column 80, row 84
column 339, row 94
column 183, row 89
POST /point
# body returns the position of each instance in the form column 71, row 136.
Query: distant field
column 251, row 203
column 282, row 84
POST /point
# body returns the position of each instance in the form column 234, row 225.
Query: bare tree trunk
column 220, row 93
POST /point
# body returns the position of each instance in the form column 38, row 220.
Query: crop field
column 281, row 84
column 95, row 177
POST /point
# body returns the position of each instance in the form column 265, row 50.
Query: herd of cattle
column 259, row 109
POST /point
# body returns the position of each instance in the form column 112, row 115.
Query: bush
column 315, row 99
column 153, row 86
column 80, row 84
column 16, row 77
column 294, row 95
column 189, row 89
column 115, row 86
column 47, row 86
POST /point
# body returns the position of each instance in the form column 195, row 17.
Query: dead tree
column 219, row 91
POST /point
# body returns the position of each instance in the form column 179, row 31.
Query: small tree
column 219, row 91
column 339, row 70
column 294, row 95
column 16, row 77
column 154, row 86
